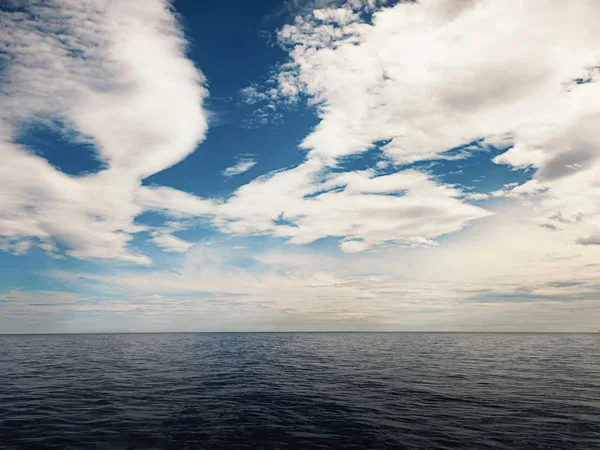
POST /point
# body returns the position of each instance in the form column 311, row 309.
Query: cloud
column 477, row 196
column 252, row 94
column 242, row 165
column 174, row 202
column 426, row 76
column 308, row 203
column 113, row 75
column 417, row 79
column 303, row 205
column 267, row 101
column 504, row 273
column 163, row 237
column 414, row 80
column 435, row 74
column 170, row 243
column 593, row 239
column 410, row 80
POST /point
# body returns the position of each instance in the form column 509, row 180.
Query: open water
column 300, row 390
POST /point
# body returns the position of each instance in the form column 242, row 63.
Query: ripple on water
column 306, row 390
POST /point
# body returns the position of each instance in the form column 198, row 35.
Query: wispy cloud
column 242, row 165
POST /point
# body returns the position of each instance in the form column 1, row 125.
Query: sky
column 226, row 165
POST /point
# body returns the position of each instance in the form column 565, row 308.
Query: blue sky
column 299, row 165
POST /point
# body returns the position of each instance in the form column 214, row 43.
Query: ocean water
column 300, row 390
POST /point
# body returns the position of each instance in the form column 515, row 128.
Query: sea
column 300, row 391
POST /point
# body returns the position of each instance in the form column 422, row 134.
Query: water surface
column 300, row 390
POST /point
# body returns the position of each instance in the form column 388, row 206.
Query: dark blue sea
column 300, row 391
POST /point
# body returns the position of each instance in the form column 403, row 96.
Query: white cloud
column 502, row 274
column 173, row 201
column 252, row 94
column 477, row 196
column 15, row 247
column 426, row 77
column 163, row 237
column 267, row 100
column 303, row 206
column 308, row 203
column 170, row 243
column 421, row 76
column 436, row 74
column 115, row 75
column 242, row 165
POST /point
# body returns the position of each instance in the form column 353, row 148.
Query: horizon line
column 297, row 332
